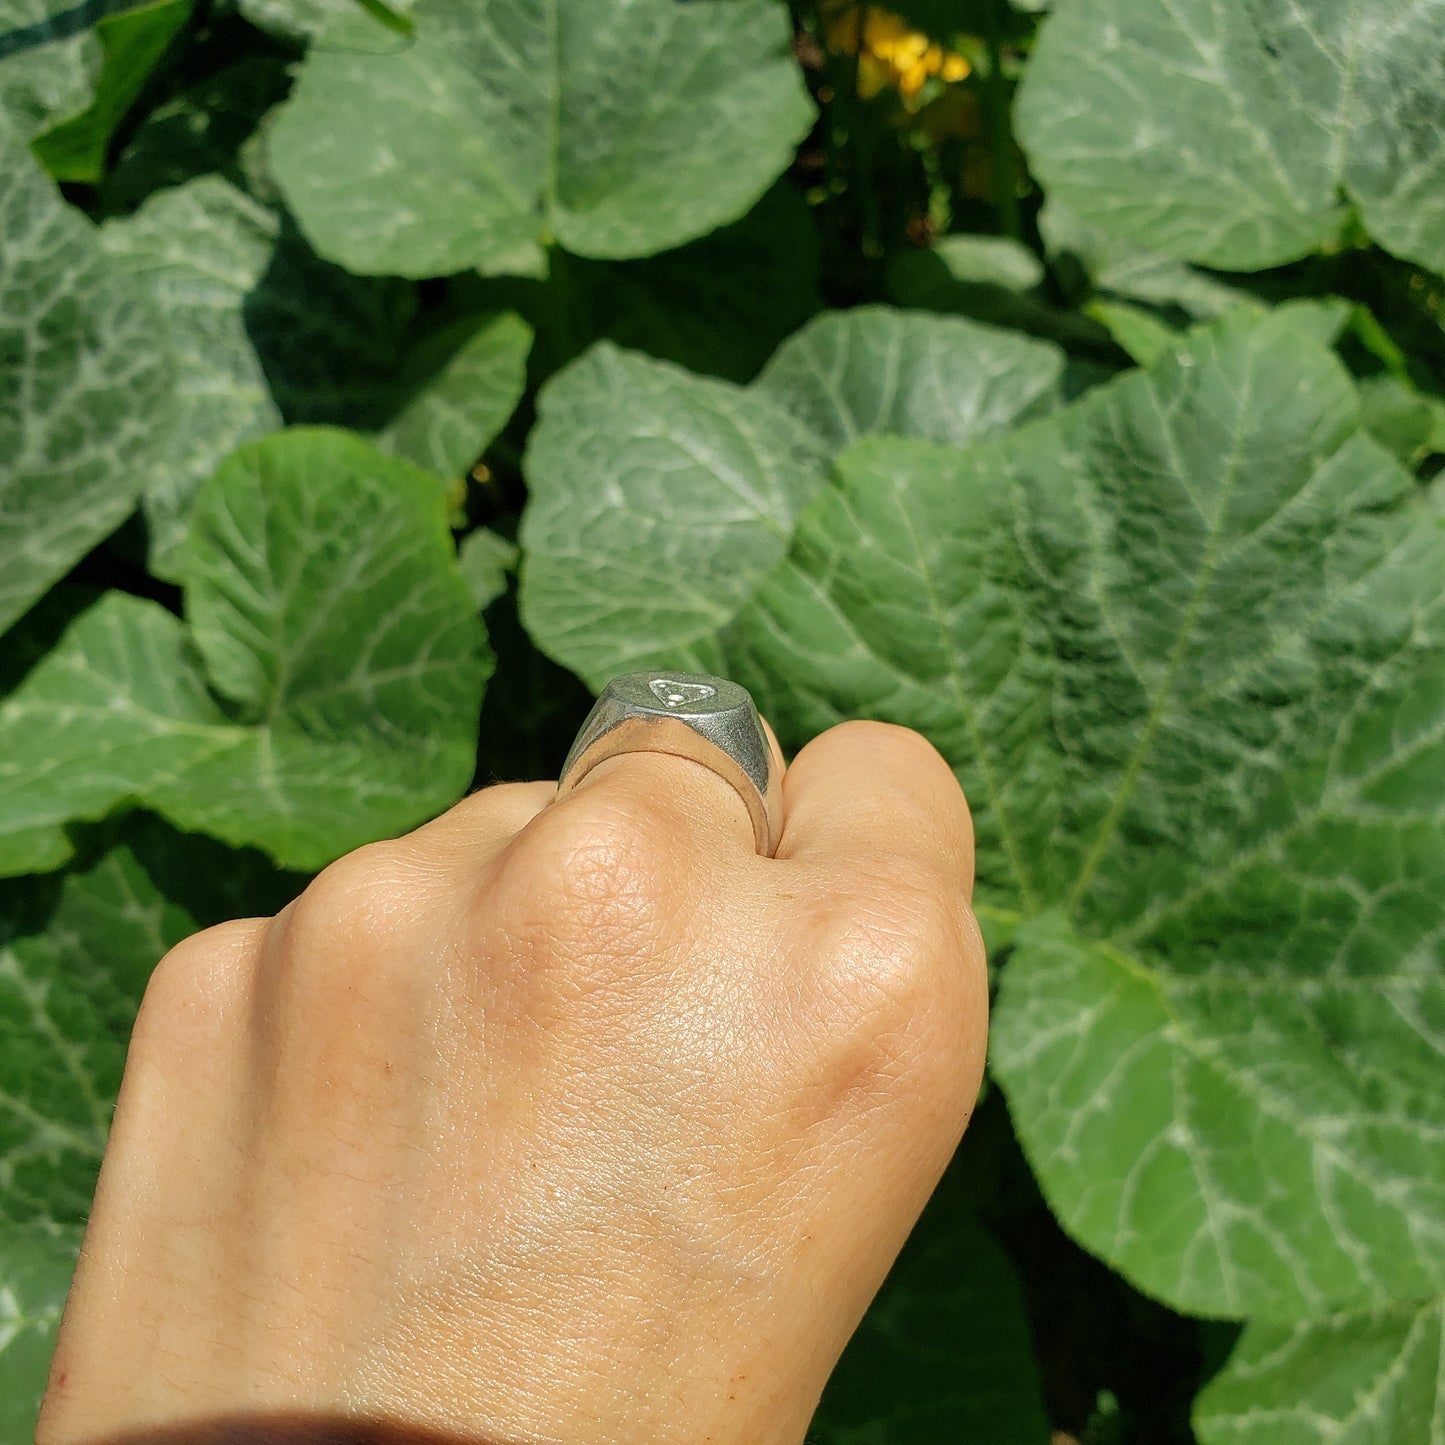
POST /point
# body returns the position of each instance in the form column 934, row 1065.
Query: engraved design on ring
column 691, row 715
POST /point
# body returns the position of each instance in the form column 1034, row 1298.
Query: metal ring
column 690, row 715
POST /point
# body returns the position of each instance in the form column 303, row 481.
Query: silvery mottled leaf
column 74, row 958
column 1376, row 1378
column 873, row 371
column 659, row 500
column 463, row 403
column 200, row 248
column 326, row 608
column 1185, row 644
column 47, row 69
column 614, row 131
column 75, row 954
column 132, row 43
column 1226, row 133
column 86, row 385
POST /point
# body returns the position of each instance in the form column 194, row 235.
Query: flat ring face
column 693, row 715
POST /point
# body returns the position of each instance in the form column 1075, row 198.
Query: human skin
column 568, row 1121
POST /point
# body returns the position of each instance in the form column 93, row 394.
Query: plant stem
column 1003, row 168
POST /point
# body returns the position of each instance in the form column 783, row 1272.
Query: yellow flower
column 889, row 52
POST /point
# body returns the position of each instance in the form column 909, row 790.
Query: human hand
column 573, row 1123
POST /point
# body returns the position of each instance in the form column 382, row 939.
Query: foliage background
column 374, row 382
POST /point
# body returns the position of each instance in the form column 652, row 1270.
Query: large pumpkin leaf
column 1365, row 1379
column 85, row 384
column 875, row 371
column 659, row 500
column 48, row 69
column 362, row 352
column 324, row 694
column 499, row 129
column 222, row 266
column 1185, row 644
column 1227, row 133
column 200, row 248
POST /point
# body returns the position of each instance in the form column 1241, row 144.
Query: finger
column 696, row 810
column 869, row 791
column 481, row 824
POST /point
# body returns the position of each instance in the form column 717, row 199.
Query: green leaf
column 979, row 261
column 326, row 609
column 1226, row 134
column 943, row 1354
column 1140, row 331
column 200, row 248
column 47, row 70
column 659, row 500
column 1239, row 1132
column 85, row 385
column 436, row 384
column 1088, row 259
column 614, row 131
column 1368, row 1379
column 131, row 45
column 73, row 966
column 1185, row 644
column 453, row 416
column 1406, row 421
column 719, row 306
column 1148, row 335
column 486, row 560
column 199, row 131
column 305, row 19
column 875, row 371
column 35, row 1269
column 992, row 279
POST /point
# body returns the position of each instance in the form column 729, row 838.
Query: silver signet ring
column 691, row 715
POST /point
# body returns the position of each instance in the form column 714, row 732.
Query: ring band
column 690, row 715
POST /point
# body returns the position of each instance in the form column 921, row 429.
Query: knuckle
column 899, row 990
column 608, row 862
column 354, row 904
column 196, row 983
